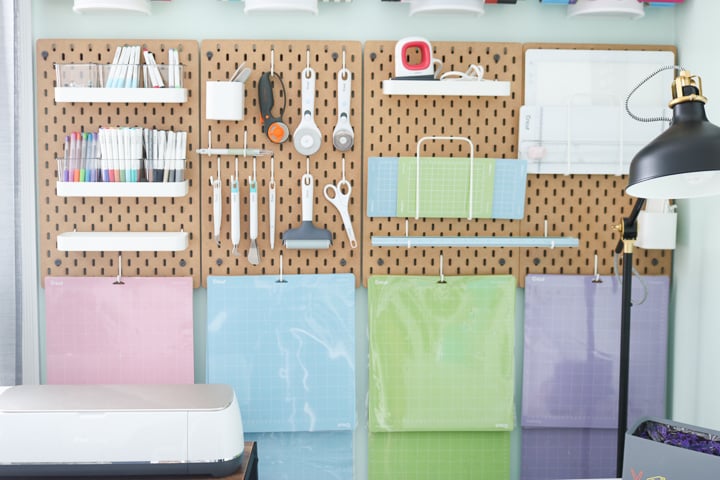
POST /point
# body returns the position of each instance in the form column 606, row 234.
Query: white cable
column 627, row 99
column 474, row 72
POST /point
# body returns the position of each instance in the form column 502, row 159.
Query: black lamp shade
column 682, row 162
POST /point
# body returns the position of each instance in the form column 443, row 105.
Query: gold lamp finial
column 686, row 79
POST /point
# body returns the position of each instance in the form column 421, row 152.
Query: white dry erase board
column 573, row 119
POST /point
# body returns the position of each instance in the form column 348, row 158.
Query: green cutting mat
column 439, row 455
column 441, row 355
column 445, row 187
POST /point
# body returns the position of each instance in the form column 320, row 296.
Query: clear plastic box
column 77, row 75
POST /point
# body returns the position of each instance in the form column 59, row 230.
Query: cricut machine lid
column 74, row 398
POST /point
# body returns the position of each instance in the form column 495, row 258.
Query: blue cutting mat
column 288, row 349
column 508, row 193
column 304, row 455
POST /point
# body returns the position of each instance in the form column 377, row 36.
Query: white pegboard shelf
column 121, row 95
column 122, row 241
column 475, row 88
column 112, row 189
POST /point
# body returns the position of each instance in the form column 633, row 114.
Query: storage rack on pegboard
column 580, row 207
column 93, row 228
column 234, row 136
column 586, row 206
column 394, row 124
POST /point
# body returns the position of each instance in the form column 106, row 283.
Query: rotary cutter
column 272, row 126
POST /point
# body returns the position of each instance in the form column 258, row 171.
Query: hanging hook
column 237, row 175
column 442, row 275
column 272, row 62
column 244, row 144
column 118, row 279
column 281, row 279
column 307, row 57
column 307, row 167
column 596, row 275
column 209, row 140
column 343, row 169
column 343, row 58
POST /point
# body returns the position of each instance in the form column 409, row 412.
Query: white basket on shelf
column 309, row 6
column 627, row 8
column 110, row 6
column 447, row 6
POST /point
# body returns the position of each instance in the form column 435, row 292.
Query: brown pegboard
column 394, row 124
column 101, row 214
column 219, row 59
column 583, row 206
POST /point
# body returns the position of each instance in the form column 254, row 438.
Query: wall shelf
column 122, row 241
column 122, row 189
column 475, row 88
column 121, row 95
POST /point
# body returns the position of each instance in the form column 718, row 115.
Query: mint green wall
column 528, row 21
column 696, row 377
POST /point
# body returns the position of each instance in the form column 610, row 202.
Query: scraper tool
column 307, row 235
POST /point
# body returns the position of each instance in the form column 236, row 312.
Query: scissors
column 339, row 196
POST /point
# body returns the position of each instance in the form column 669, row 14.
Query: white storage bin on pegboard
column 447, row 6
column 308, row 6
column 621, row 8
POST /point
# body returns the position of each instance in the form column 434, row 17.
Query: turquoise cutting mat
column 304, row 455
column 439, row 455
column 288, row 349
column 441, row 355
column 507, row 192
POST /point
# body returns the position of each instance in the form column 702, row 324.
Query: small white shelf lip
column 477, row 88
column 122, row 241
column 122, row 189
column 121, row 95
column 468, row 241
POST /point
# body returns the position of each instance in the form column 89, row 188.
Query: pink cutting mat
column 139, row 332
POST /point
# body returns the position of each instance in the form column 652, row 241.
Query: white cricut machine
column 86, row 430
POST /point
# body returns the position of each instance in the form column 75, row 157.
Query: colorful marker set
column 123, row 72
column 164, row 155
column 116, row 155
column 80, row 163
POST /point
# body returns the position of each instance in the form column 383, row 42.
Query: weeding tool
column 235, row 210
column 253, row 252
column 271, row 201
column 217, row 204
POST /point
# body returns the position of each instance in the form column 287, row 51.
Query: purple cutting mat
column 572, row 343
column 557, row 453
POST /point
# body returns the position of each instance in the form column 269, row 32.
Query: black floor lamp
column 682, row 162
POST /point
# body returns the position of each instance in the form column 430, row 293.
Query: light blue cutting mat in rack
column 288, row 349
column 508, row 196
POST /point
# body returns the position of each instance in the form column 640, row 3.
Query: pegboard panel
column 586, row 207
column 394, row 124
column 219, row 60
column 114, row 214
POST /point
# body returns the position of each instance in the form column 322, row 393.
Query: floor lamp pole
column 628, row 230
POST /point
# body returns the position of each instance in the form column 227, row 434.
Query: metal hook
column 209, row 140
column 118, row 279
column 244, row 144
column 343, row 58
column 254, row 175
column 343, row 168
column 307, row 56
column 272, row 62
column 442, row 275
column 237, row 175
column 281, row 279
column 596, row 276
column 307, row 165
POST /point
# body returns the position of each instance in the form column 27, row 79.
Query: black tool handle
column 265, row 96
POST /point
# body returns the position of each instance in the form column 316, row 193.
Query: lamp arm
column 628, row 231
